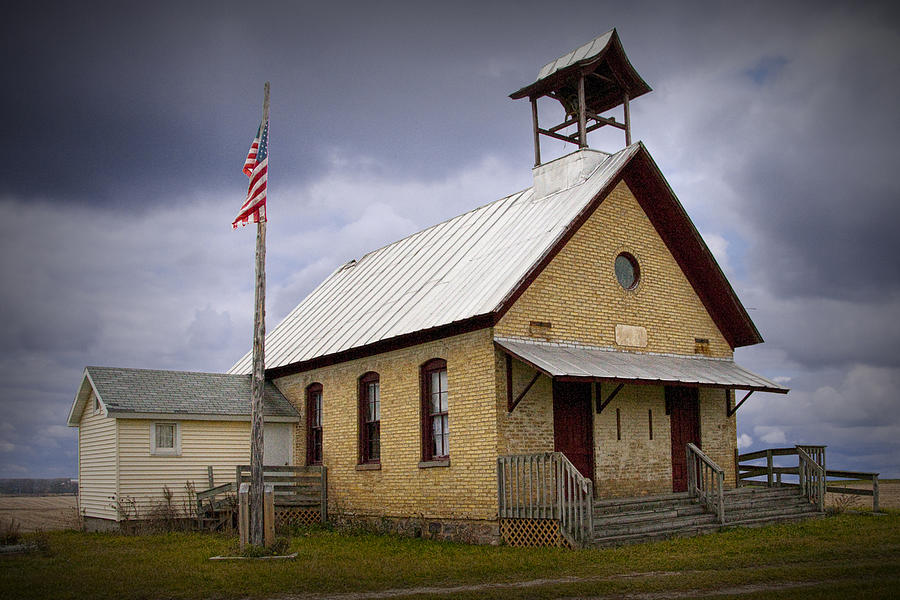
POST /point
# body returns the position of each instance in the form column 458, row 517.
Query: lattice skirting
column 531, row 532
column 291, row 516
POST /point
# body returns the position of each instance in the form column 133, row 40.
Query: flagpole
column 259, row 368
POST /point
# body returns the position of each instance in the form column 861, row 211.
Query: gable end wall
column 578, row 294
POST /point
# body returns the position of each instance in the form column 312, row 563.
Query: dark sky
column 126, row 126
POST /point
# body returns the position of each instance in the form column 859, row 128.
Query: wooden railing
column 747, row 473
column 546, row 486
column 207, row 501
column 812, row 479
column 294, row 485
column 706, row 481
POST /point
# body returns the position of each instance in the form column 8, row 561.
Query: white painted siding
column 222, row 444
column 96, row 463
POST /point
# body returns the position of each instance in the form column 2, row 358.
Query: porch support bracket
column 612, row 394
column 511, row 403
column 730, row 411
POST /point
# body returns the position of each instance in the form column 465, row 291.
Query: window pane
column 373, row 409
column 443, row 401
column 443, row 374
column 165, row 436
column 317, row 410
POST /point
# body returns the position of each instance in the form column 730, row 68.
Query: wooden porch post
column 627, row 122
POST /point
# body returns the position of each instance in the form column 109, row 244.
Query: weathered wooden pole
column 258, row 379
column 582, row 117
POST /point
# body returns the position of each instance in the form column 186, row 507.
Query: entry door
column 277, row 444
column 573, row 424
column 684, row 415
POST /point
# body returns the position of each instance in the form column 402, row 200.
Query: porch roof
column 594, row 363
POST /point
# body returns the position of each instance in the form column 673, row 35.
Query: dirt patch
column 41, row 512
column 888, row 495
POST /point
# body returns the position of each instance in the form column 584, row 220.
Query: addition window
column 369, row 418
column 314, row 424
column 435, row 421
column 165, row 439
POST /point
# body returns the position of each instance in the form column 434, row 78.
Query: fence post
column 875, row 493
column 268, row 515
column 769, row 465
column 721, row 500
column 324, row 493
column 244, row 513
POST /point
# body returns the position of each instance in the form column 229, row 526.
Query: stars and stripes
column 256, row 168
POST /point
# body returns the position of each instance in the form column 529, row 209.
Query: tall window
column 314, row 424
column 369, row 418
column 435, row 423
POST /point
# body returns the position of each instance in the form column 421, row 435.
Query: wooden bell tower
column 589, row 81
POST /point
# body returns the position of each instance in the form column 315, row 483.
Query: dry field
column 40, row 512
column 888, row 495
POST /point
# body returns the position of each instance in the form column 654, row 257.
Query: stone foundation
column 92, row 524
column 467, row 531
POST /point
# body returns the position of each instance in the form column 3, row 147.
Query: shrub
column 10, row 531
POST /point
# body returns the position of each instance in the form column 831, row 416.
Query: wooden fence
column 546, row 487
column 812, row 482
column 295, row 487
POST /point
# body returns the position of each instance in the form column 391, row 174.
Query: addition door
column 683, row 406
column 573, row 429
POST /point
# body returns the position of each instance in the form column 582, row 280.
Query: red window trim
column 435, row 364
column 364, row 457
column 311, row 458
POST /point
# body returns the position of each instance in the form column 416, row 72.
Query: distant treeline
column 38, row 487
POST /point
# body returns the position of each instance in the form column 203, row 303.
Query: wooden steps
column 654, row 518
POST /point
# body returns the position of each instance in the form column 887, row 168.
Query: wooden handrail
column 706, row 481
column 546, row 486
column 812, row 479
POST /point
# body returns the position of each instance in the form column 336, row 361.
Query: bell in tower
column 589, row 81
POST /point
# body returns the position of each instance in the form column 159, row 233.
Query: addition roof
column 463, row 274
column 593, row 363
column 143, row 392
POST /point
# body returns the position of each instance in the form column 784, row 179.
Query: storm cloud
column 126, row 127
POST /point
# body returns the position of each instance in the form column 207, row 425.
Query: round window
column 627, row 271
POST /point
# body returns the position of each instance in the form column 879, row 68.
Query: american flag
column 256, row 167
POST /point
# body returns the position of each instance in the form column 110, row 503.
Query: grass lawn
column 846, row 556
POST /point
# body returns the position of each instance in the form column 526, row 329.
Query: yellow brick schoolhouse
column 528, row 371
column 581, row 324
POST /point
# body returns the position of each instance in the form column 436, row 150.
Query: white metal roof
column 585, row 51
column 450, row 272
column 594, row 362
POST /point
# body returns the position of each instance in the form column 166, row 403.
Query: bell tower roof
column 588, row 81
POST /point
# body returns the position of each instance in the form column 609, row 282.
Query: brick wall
column 579, row 296
column 400, row 488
